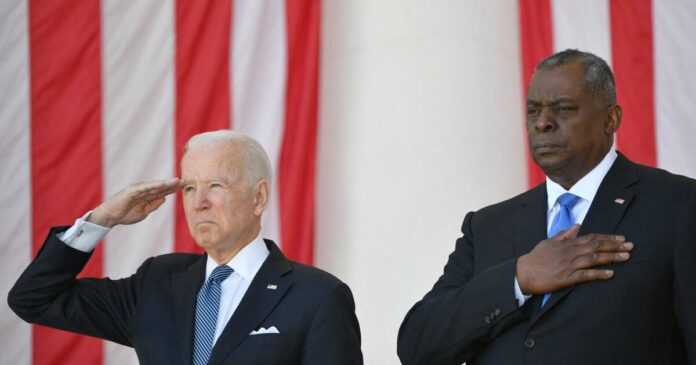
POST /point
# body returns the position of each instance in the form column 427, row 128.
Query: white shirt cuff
column 521, row 297
column 83, row 236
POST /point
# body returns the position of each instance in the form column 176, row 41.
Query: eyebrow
column 216, row 179
column 560, row 100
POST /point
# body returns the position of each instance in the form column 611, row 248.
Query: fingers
column 566, row 259
column 599, row 258
column 595, row 250
column 581, row 276
column 600, row 249
column 154, row 189
column 160, row 187
column 603, row 243
column 596, row 241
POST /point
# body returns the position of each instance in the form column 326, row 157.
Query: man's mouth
column 546, row 147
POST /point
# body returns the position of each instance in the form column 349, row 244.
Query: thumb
column 152, row 205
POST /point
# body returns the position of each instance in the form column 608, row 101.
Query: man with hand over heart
column 594, row 266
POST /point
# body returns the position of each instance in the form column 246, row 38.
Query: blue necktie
column 564, row 219
column 206, row 314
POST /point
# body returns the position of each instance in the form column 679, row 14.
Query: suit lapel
column 613, row 198
column 257, row 304
column 185, row 287
column 530, row 229
column 530, row 220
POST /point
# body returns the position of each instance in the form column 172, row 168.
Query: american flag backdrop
column 650, row 46
column 98, row 94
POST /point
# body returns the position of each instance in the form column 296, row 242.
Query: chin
column 204, row 241
column 550, row 168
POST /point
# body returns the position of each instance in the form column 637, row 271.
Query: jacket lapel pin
column 619, row 201
column 272, row 286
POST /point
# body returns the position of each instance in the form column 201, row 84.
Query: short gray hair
column 599, row 79
column 257, row 166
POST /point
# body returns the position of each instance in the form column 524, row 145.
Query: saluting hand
column 133, row 203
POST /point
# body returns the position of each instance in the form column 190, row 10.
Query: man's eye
column 565, row 109
column 188, row 189
column 532, row 111
column 215, row 185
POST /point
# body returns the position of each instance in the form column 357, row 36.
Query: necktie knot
column 221, row 273
column 568, row 200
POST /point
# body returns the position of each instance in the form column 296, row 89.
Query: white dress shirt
column 586, row 188
column 85, row 236
column 246, row 264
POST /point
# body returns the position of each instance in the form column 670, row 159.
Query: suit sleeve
column 48, row 293
column 684, row 277
column 464, row 310
column 334, row 335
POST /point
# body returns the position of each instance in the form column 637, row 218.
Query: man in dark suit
column 242, row 302
column 595, row 266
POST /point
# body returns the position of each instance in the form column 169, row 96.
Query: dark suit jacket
column 153, row 310
column 645, row 314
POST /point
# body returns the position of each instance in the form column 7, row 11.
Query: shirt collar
column 586, row 188
column 247, row 262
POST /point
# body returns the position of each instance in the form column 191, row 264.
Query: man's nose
column 546, row 121
column 200, row 199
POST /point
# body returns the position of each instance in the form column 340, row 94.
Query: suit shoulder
column 313, row 276
column 171, row 262
column 316, row 283
column 320, row 291
column 508, row 205
column 664, row 178
column 306, row 280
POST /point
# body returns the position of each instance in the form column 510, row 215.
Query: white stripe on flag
column 259, row 74
column 674, row 32
column 583, row 25
column 138, row 135
column 15, row 179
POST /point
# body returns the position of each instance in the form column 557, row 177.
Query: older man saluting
column 595, row 266
column 242, row 302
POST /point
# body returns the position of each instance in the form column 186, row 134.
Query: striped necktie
column 563, row 220
column 206, row 314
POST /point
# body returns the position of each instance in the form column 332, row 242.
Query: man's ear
column 613, row 120
column 260, row 197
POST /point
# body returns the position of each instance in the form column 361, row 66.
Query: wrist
column 521, row 275
column 100, row 219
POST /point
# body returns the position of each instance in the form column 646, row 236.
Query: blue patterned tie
column 564, row 219
column 206, row 314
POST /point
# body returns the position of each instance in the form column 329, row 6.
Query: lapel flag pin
column 619, row 201
column 272, row 286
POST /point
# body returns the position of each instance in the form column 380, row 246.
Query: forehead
column 561, row 82
column 212, row 160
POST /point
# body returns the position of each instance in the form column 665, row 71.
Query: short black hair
column 599, row 79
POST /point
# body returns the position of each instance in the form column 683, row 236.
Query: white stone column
column 421, row 120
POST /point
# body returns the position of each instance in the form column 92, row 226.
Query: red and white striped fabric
column 650, row 46
column 100, row 94
column 95, row 95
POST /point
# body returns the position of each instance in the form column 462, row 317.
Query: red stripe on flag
column 536, row 37
column 632, row 58
column 296, row 171
column 66, row 140
column 203, row 31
